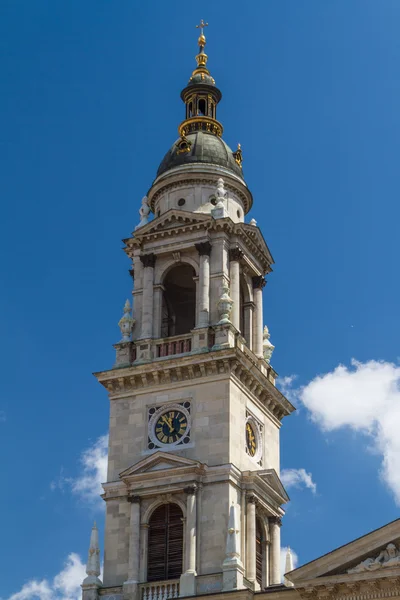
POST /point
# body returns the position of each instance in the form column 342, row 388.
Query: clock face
column 170, row 426
column 251, row 439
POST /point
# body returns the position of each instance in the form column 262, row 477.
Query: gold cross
column 201, row 26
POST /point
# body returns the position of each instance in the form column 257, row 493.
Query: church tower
column 193, row 495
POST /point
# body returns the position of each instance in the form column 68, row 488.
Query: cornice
column 160, row 228
column 371, row 588
column 232, row 362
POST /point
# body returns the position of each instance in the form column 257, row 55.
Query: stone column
column 275, row 550
column 148, row 261
column 258, row 284
column 188, row 579
column 131, row 586
column 251, row 539
column 204, row 250
column 248, row 324
column 134, row 540
column 144, row 542
column 235, row 255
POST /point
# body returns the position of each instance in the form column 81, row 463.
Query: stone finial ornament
column 232, row 540
column 221, row 192
column 388, row 558
column 288, row 568
column 219, row 212
column 253, row 222
column 225, row 304
column 126, row 323
column 144, row 212
column 93, row 563
column 268, row 348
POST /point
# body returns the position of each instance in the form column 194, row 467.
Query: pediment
column 364, row 558
column 271, row 479
column 159, row 461
column 254, row 234
column 171, row 219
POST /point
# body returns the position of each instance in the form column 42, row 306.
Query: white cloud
column 297, row 478
column 295, row 559
column 87, row 485
column 66, row 585
column 364, row 397
column 94, row 470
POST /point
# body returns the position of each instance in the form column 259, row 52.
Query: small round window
column 181, row 201
column 213, row 200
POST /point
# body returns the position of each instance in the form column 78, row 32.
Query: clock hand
column 168, row 422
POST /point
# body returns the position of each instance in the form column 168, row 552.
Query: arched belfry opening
column 179, row 301
column 165, row 549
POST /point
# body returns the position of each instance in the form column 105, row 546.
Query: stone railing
column 159, row 590
column 173, row 345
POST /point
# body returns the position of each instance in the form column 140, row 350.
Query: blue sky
column 89, row 105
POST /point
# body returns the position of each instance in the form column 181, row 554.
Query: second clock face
column 170, row 427
column 251, row 441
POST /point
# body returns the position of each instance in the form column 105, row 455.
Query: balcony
column 159, row 590
column 173, row 345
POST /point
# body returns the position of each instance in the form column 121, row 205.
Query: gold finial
column 202, row 37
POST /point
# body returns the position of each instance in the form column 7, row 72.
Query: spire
column 288, row 567
column 93, row 563
column 201, row 97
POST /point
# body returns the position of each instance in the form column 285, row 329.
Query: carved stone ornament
column 388, row 558
column 236, row 254
column 219, row 212
column 225, row 304
column 144, row 212
column 126, row 323
column 203, row 248
column 268, row 348
column 221, row 192
column 148, row 260
column 258, row 282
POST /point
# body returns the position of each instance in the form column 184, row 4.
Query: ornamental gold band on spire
column 201, row 97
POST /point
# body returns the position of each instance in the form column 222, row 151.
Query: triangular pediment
column 159, row 461
column 365, row 557
column 254, row 234
column 171, row 219
column 270, row 477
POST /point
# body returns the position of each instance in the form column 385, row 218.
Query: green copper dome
column 203, row 147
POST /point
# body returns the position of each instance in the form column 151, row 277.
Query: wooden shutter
column 164, row 560
column 259, row 554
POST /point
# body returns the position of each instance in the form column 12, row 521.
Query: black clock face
column 171, row 426
column 250, row 440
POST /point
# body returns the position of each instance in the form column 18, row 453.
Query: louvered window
column 259, row 553
column 165, row 543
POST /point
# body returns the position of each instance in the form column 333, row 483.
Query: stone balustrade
column 173, row 345
column 159, row 590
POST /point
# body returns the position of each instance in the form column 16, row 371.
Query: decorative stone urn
column 126, row 323
column 225, row 304
column 268, row 348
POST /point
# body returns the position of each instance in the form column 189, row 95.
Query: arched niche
column 178, row 315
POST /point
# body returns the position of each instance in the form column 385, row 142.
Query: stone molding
column 148, row 260
column 367, row 589
column 233, row 362
column 173, row 224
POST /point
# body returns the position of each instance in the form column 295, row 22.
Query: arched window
column 165, row 549
column 179, row 302
column 202, row 107
column 259, row 553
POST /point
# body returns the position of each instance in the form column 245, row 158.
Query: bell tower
column 193, row 495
